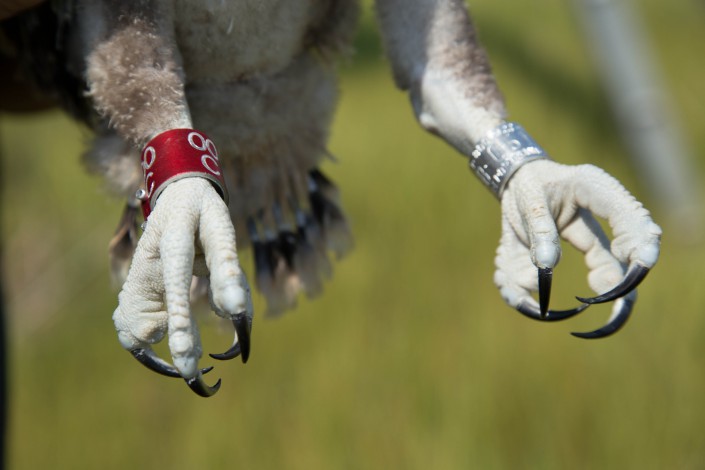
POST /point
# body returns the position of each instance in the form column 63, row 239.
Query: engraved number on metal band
column 501, row 152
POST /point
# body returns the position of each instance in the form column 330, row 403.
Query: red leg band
column 177, row 154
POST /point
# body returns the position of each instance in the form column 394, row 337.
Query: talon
column 243, row 327
column 201, row 388
column 534, row 313
column 615, row 323
column 545, row 278
column 148, row 358
column 634, row 276
column 241, row 345
column 231, row 353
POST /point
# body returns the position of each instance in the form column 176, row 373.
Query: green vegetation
column 410, row 359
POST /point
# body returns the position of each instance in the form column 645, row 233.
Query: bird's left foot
column 545, row 201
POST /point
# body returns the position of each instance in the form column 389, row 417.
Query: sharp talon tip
column 534, row 312
column 205, row 370
column 201, row 388
column 231, row 353
column 241, row 344
column 243, row 327
column 545, row 280
column 631, row 280
column 623, row 309
column 583, row 335
column 148, row 358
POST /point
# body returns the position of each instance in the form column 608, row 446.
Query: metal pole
column 3, row 344
column 3, row 378
column 643, row 109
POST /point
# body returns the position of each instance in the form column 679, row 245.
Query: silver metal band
column 501, row 152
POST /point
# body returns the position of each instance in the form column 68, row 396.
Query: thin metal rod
column 643, row 109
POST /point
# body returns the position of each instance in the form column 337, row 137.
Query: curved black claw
column 241, row 345
column 545, row 278
column 634, row 276
column 151, row 361
column 201, row 388
column 552, row 315
column 231, row 353
column 614, row 324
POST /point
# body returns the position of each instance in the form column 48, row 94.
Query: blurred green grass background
column 409, row 359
